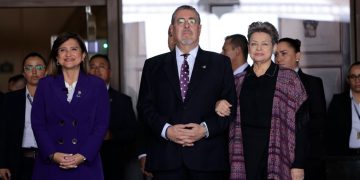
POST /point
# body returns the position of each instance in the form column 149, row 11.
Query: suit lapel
column 170, row 68
column 200, row 66
column 60, row 89
column 80, row 89
column 301, row 75
column 22, row 103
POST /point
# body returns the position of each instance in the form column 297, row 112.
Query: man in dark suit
column 18, row 146
column 118, row 146
column 236, row 48
column 177, row 97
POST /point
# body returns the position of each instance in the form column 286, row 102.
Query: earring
column 297, row 60
column 57, row 63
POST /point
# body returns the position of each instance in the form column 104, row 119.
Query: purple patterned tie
column 184, row 76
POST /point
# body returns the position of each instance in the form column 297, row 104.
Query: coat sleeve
column 38, row 122
column 216, row 124
column 101, row 117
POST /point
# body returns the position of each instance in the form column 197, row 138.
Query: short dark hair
column 294, row 43
column 264, row 27
column 33, row 54
column 16, row 78
column 239, row 40
column 101, row 56
column 357, row 63
column 187, row 7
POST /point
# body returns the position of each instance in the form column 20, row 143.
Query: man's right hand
column 5, row 174
column 178, row 134
column 142, row 162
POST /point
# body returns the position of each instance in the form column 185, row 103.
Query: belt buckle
column 30, row 153
column 34, row 154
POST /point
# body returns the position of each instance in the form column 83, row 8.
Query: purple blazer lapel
column 59, row 88
column 81, row 89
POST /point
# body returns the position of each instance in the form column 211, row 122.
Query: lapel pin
column 78, row 94
column 204, row 66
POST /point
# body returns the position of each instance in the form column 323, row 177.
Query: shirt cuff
column 203, row 124
column 163, row 132
column 141, row 155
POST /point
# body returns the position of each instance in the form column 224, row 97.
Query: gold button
column 74, row 141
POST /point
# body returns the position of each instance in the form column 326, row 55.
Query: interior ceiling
column 38, row 24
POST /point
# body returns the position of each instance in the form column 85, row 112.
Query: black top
column 256, row 97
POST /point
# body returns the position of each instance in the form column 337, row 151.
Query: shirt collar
column 241, row 68
column 27, row 91
column 192, row 53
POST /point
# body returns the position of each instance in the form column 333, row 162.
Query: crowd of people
column 200, row 115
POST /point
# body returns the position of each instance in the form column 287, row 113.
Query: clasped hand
column 68, row 161
column 185, row 134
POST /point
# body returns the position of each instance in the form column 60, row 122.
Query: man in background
column 236, row 48
column 119, row 143
column 16, row 82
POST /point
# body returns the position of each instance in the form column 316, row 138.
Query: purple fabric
column 237, row 162
column 75, row 127
column 288, row 97
column 184, row 77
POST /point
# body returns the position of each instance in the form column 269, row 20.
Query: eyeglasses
column 29, row 68
column 182, row 21
column 354, row 77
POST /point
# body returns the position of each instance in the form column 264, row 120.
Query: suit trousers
column 26, row 169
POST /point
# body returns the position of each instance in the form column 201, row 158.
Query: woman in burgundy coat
column 69, row 116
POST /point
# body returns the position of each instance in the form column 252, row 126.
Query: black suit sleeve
column 216, row 124
column 123, row 120
column 146, row 105
column 301, row 137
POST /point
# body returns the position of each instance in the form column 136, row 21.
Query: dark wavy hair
column 53, row 68
column 294, row 43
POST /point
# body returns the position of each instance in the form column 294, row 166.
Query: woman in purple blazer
column 69, row 116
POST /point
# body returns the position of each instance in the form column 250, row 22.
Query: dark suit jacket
column 160, row 102
column 122, row 117
column 75, row 127
column 117, row 151
column 12, row 131
column 338, row 125
column 317, row 112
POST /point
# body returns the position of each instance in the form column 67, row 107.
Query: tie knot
column 185, row 56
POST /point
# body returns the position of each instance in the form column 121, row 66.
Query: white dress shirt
column 354, row 141
column 28, row 137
